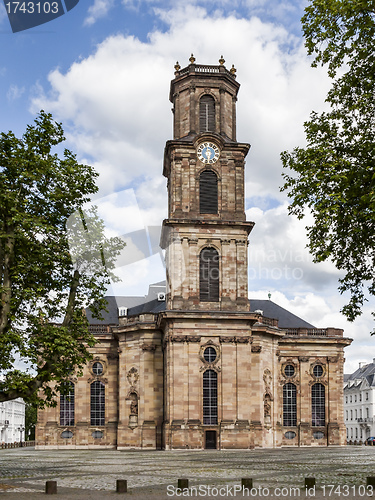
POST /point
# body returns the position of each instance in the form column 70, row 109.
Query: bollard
column 309, row 482
column 121, row 486
column 51, row 487
column 370, row 481
column 183, row 484
column 246, row 483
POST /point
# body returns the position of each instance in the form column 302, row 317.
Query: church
column 196, row 364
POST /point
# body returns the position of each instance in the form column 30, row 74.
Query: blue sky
column 103, row 70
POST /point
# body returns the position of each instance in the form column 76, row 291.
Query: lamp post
column 21, row 429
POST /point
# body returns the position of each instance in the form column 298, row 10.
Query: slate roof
column 151, row 304
column 365, row 372
column 271, row 310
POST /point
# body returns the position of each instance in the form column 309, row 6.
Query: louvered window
column 209, row 275
column 207, row 114
column 208, row 192
column 318, row 405
column 209, row 397
column 289, row 405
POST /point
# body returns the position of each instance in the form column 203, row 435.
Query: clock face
column 208, row 152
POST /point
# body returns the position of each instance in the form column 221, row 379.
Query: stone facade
column 206, row 371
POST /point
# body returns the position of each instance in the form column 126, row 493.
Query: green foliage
column 334, row 175
column 54, row 262
column 31, row 417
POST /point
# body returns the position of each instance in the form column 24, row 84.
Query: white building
column 12, row 421
column 359, row 398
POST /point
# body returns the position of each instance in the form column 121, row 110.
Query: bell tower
column 205, row 235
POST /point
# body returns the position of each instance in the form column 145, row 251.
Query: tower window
column 67, row 406
column 289, row 405
column 97, row 403
column 209, row 397
column 208, row 192
column 207, row 114
column 318, row 405
column 209, row 275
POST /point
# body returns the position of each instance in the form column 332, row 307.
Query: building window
column 360, row 396
column 289, row 405
column 97, row 368
column 207, row 114
column 355, row 398
column 209, row 354
column 209, row 275
column 318, row 370
column 350, row 398
column 361, row 432
column 346, row 415
column 97, row 403
column 209, row 397
column 346, row 399
column 289, row 370
column 367, row 413
column 360, row 413
column 67, row 405
column 318, row 405
column 366, row 396
column 351, row 414
column 356, row 414
column 208, row 196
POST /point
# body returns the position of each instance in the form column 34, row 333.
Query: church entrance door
column 210, row 440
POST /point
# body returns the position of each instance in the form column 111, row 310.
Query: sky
column 104, row 68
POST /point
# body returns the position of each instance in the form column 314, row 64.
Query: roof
column 151, row 304
column 364, row 372
column 285, row 318
column 113, row 303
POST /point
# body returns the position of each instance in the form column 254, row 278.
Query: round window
column 209, row 354
column 67, row 434
column 318, row 370
column 289, row 370
column 97, row 368
column 290, row 435
column 97, row 434
column 318, row 435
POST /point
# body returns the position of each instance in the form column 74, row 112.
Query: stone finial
column 192, row 59
column 177, row 67
column 233, row 70
column 221, row 60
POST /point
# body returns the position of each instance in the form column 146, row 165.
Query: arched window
column 289, row 405
column 97, row 403
column 208, row 192
column 207, row 114
column 318, row 405
column 67, row 405
column 209, row 275
column 209, row 397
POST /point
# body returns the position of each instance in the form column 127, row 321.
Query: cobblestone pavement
column 92, row 474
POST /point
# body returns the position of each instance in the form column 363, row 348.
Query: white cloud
column 15, row 92
column 98, row 10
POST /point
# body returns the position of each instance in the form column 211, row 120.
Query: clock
column 208, row 152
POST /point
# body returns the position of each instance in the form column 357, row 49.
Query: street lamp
column 21, row 429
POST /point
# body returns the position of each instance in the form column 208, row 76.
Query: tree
column 54, row 262
column 334, row 175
